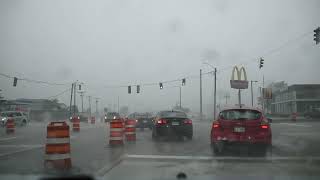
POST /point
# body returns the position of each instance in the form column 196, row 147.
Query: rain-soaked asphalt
column 295, row 150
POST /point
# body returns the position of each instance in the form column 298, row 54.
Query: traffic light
column 183, row 81
column 79, row 87
column 138, row 88
column 129, row 89
column 317, row 35
column 15, row 81
column 261, row 63
column 161, row 85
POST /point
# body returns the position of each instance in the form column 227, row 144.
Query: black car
column 172, row 124
column 143, row 120
column 110, row 116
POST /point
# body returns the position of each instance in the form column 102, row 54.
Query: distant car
column 312, row 113
column 172, row 124
column 143, row 120
column 111, row 115
column 241, row 126
column 19, row 118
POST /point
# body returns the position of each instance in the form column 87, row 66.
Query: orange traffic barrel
column 10, row 126
column 57, row 150
column 76, row 124
column 130, row 130
column 93, row 120
column 116, row 132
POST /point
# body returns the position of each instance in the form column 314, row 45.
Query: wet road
column 293, row 144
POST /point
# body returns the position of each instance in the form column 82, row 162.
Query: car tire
column 189, row 137
column 218, row 149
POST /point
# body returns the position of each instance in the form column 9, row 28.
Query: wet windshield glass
column 160, row 89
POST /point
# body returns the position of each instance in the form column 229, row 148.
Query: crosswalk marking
column 7, row 139
column 297, row 125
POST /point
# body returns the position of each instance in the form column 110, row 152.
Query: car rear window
column 111, row 115
column 240, row 114
column 172, row 114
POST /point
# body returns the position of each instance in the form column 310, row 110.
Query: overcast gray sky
column 125, row 42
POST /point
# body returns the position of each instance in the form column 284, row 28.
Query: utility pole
column 200, row 94
column 262, row 93
column 97, row 100
column 71, row 100
column 81, row 95
column 215, row 93
column 118, row 105
column 227, row 97
column 239, row 95
column 89, row 106
column 180, row 96
column 252, row 92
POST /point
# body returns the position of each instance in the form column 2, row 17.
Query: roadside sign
column 267, row 93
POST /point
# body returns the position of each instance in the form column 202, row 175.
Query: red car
column 244, row 126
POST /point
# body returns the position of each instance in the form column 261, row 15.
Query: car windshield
column 240, row 114
column 160, row 89
column 113, row 115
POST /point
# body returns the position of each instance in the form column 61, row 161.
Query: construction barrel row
column 58, row 148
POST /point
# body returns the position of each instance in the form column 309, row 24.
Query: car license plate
column 175, row 123
column 239, row 129
column 145, row 121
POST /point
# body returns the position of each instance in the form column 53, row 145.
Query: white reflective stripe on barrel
column 130, row 133
column 116, row 138
column 58, row 140
column 130, row 126
column 57, row 156
column 116, row 129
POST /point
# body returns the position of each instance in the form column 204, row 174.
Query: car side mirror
column 269, row 120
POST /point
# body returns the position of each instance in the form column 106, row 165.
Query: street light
column 215, row 88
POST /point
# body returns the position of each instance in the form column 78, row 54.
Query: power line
column 34, row 81
column 64, row 91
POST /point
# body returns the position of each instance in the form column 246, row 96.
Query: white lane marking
column 22, row 146
column 297, row 125
column 18, row 151
column 108, row 167
column 155, row 157
column 6, row 139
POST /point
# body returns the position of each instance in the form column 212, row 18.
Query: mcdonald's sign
column 239, row 78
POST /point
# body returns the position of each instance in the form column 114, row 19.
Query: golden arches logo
column 239, row 74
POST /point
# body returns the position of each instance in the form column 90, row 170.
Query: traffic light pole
column 71, row 100
column 74, row 98
column 180, row 96
column 200, row 94
column 252, row 92
column 215, row 93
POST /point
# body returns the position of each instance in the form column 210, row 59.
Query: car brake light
column 162, row 121
column 264, row 125
column 215, row 125
column 187, row 121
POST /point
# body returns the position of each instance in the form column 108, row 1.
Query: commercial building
column 297, row 98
